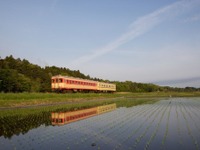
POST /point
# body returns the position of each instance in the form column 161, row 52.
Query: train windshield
column 57, row 80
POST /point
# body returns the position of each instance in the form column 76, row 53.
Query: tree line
column 18, row 75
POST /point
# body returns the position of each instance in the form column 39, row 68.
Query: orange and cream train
column 65, row 84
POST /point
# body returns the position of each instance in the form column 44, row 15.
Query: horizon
column 149, row 42
column 175, row 83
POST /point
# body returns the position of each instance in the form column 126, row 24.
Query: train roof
column 57, row 76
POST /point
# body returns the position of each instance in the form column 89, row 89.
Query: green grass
column 164, row 94
column 45, row 96
column 24, row 99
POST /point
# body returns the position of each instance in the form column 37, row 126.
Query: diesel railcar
column 71, row 84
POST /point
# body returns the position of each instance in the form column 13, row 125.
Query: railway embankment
column 34, row 100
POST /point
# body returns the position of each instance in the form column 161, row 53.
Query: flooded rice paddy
column 168, row 124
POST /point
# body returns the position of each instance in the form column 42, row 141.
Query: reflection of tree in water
column 22, row 123
column 14, row 125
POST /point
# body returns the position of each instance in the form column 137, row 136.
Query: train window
column 52, row 80
column 68, row 118
column 56, row 80
column 60, row 80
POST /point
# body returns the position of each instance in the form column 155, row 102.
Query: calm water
column 167, row 124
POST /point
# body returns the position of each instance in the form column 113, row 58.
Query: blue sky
column 141, row 41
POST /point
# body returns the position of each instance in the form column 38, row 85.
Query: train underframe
column 62, row 90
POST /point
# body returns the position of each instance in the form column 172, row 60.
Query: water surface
column 168, row 124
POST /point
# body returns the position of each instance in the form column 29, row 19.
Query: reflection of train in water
column 65, row 83
column 61, row 118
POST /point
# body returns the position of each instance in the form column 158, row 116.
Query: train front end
column 57, row 83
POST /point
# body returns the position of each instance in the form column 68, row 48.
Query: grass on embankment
column 29, row 99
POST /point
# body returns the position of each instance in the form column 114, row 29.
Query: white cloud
column 165, row 63
column 53, row 4
column 193, row 18
column 139, row 27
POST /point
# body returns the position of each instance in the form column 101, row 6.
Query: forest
column 18, row 75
